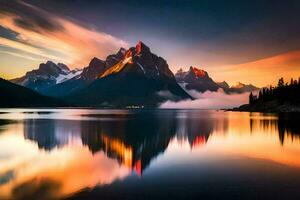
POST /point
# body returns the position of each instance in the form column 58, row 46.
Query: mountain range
column 89, row 74
column 132, row 77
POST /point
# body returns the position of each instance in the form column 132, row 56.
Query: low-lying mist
column 209, row 100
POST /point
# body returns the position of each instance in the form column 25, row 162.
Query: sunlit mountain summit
column 139, row 78
column 199, row 80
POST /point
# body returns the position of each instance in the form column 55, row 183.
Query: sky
column 254, row 41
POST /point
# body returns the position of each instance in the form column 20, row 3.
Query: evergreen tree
column 251, row 98
column 260, row 95
column 280, row 83
column 292, row 81
column 288, row 93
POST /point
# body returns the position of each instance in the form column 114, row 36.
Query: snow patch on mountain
column 64, row 77
column 167, row 94
column 141, row 66
column 157, row 70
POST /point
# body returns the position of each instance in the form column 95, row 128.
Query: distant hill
column 239, row 88
column 13, row 95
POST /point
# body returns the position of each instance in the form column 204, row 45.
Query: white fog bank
column 209, row 100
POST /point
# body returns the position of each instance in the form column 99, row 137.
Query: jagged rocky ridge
column 196, row 79
column 140, row 78
column 199, row 80
column 47, row 75
column 89, row 74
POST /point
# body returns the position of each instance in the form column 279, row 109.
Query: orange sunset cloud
column 72, row 43
column 264, row 71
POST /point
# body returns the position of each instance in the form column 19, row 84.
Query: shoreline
column 268, row 107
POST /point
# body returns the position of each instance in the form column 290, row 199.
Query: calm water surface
column 150, row 154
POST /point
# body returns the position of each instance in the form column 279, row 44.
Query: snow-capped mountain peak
column 47, row 75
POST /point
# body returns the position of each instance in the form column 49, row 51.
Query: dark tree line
column 282, row 93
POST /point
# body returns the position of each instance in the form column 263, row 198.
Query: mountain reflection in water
column 57, row 153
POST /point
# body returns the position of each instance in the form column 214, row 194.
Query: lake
column 148, row 154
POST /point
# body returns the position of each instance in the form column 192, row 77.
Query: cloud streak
column 49, row 36
column 21, row 55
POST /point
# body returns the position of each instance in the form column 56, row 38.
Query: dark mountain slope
column 47, row 75
column 199, row 80
column 95, row 69
column 140, row 78
column 196, row 79
column 13, row 95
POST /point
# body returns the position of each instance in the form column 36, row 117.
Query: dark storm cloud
column 28, row 17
